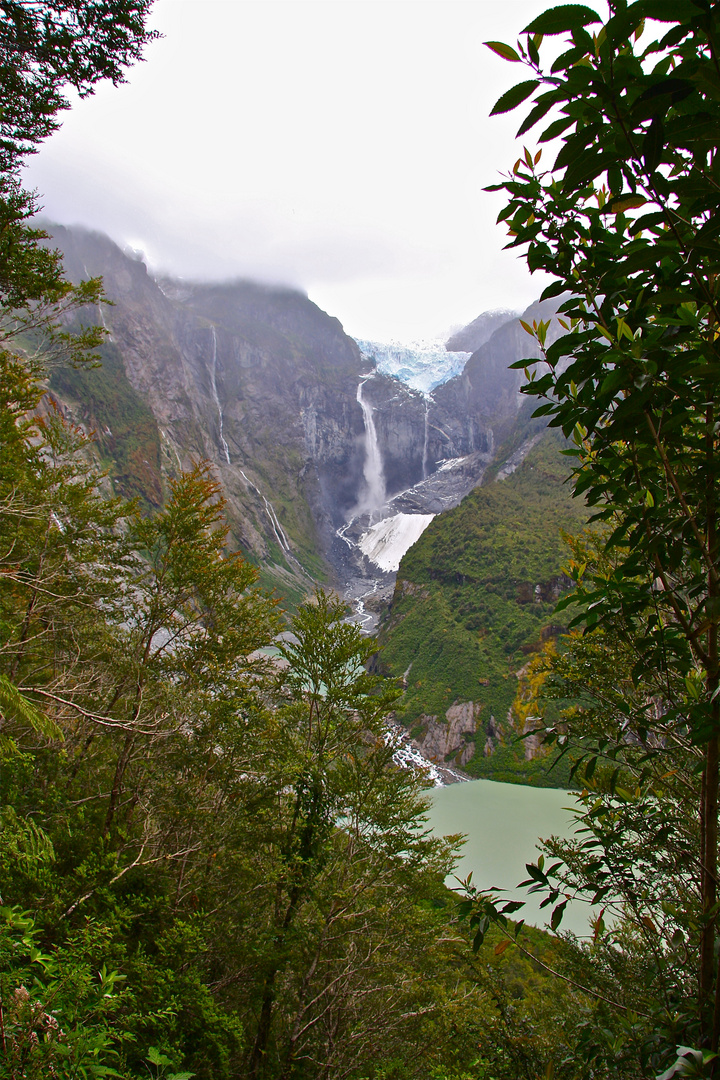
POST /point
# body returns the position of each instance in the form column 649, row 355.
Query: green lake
column 503, row 823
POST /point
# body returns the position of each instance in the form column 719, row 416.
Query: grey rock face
column 480, row 330
column 451, row 740
column 487, row 393
column 262, row 383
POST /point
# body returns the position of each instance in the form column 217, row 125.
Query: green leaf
column 557, row 915
column 514, row 97
column 542, row 106
column 664, row 11
column 155, row 1057
column 656, row 100
column 568, row 59
column 653, row 145
column 559, row 20
column 622, row 203
column 506, row 51
column 587, row 166
column 15, row 704
column 556, row 128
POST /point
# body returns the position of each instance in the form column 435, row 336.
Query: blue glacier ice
column 421, row 365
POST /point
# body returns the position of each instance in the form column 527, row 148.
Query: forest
column 209, row 866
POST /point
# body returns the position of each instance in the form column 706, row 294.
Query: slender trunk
column 256, row 1065
column 22, row 641
column 709, row 985
column 105, row 709
column 116, row 790
column 302, row 997
column 257, row 1058
column 259, row 1051
column 709, row 872
column 123, row 760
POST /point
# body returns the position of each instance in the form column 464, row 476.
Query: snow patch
column 386, row 543
column 450, row 463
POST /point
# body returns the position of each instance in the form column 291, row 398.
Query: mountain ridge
column 262, row 383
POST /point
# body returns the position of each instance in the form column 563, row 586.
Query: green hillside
column 126, row 433
column 475, row 596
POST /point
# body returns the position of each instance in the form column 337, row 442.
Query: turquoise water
column 503, row 823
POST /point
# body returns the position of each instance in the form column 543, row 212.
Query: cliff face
column 473, row 336
column 486, row 396
column 267, row 386
column 257, row 380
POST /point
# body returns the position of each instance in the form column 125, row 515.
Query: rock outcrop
column 473, row 336
column 451, row 740
column 486, row 396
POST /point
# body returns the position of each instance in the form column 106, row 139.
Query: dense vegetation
column 625, row 221
column 475, row 598
column 126, row 436
column 208, row 860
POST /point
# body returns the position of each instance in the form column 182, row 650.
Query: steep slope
column 474, row 598
column 473, row 336
column 258, row 380
column 269, row 388
column 312, row 444
column 487, row 390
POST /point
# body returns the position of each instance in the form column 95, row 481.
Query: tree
column 635, row 856
column 625, row 220
column 344, row 863
column 47, row 46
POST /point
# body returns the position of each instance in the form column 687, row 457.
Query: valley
column 284, row 609
column 408, row 477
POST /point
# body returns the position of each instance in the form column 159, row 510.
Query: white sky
column 340, row 146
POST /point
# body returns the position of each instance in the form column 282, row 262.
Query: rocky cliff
column 312, row 444
column 259, row 381
column 486, row 397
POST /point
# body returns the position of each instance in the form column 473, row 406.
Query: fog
column 337, row 146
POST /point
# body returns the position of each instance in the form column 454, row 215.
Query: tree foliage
column 625, row 221
column 46, row 47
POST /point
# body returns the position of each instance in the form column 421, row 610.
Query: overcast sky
column 340, row 146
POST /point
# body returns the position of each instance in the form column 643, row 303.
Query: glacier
column 421, row 365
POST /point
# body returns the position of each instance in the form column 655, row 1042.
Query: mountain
column 256, row 379
column 474, row 598
column 473, row 336
column 487, row 391
column 337, row 468
column 313, row 442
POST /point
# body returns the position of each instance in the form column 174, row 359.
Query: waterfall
column 425, row 437
column 216, row 399
column 277, row 528
column 102, row 320
column 372, row 469
column 270, row 511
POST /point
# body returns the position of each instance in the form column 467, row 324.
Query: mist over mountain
column 471, row 337
column 269, row 388
column 339, row 460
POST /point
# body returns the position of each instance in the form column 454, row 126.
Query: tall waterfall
column 425, row 436
column 216, row 399
column 374, row 495
column 277, row 528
